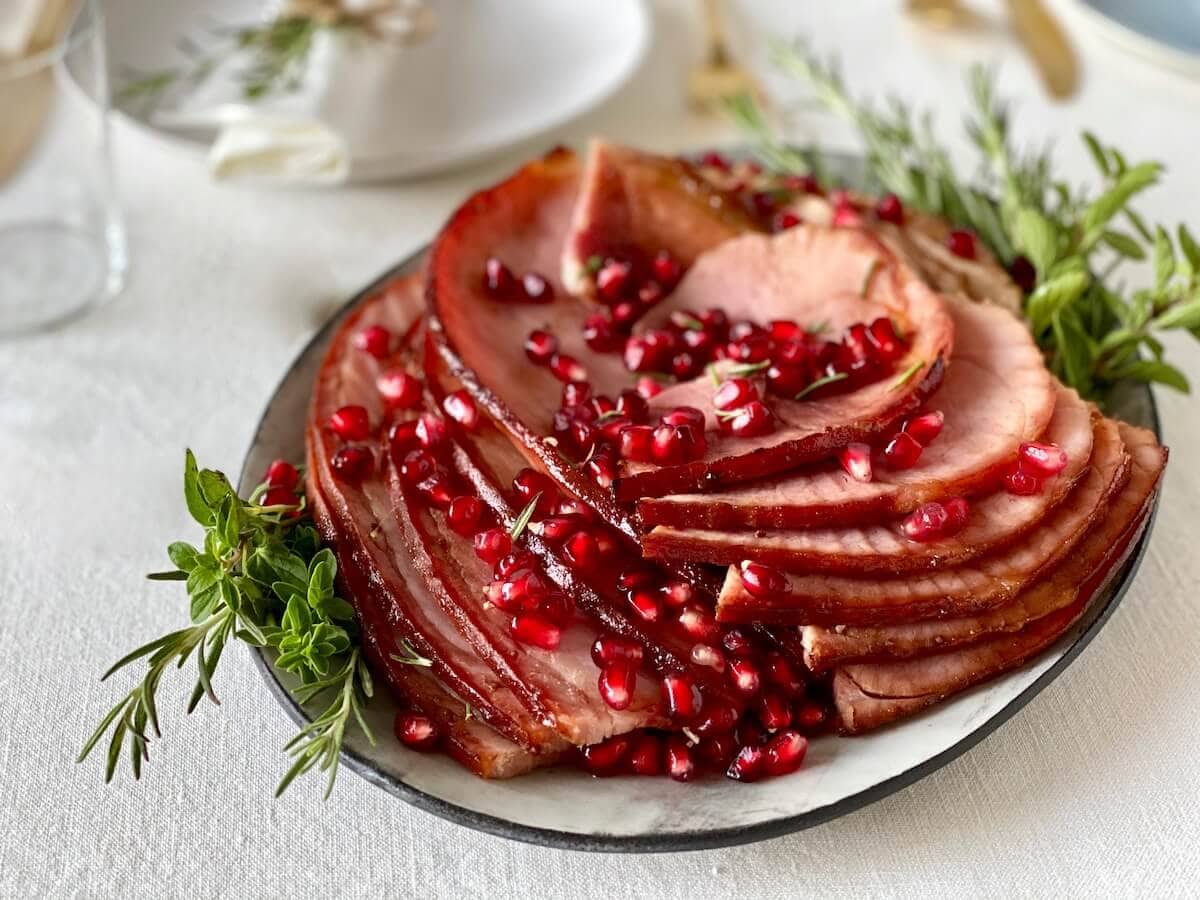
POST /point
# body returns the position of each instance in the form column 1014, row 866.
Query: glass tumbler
column 62, row 241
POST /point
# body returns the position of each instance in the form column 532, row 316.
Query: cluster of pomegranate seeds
column 935, row 520
column 1035, row 463
column 500, row 283
column 416, row 731
column 281, row 480
column 375, row 340
column 962, row 244
column 901, row 451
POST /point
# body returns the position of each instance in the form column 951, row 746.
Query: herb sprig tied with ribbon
column 260, row 576
column 1094, row 331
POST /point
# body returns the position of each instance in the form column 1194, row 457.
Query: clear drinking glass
column 62, row 241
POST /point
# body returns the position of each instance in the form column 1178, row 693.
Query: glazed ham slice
column 871, row 695
column 996, row 394
column 984, row 583
column 835, row 277
column 826, row 647
column 995, row 520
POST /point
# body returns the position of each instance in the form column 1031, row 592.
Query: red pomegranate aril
column 460, row 406
column 416, row 732
column 734, row 394
column 646, row 604
column 810, row 716
column 624, row 314
column 528, row 484
column 613, row 279
column 602, row 469
column 684, row 415
column 671, row 444
column 606, row 545
column 650, row 293
column 612, row 427
column 846, row 217
column 748, row 732
column 717, row 716
column 648, row 387
column 603, row 405
column 436, row 491
column 616, row 684
column 646, row 756
column 604, row 757
column 430, row 431
column 679, row 696
column 557, row 607
column 581, row 551
column 773, row 711
column 957, row 513
column 786, row 380
column 353, row 463
column 1018, row 481
column 399, row 389
column 752, row 420
column 567, row 368
column 677, row 593
column 1042, row 460
column 680, row 765
column 1023, row 273
column 856, row 461
column 708, row 656
column 666, row 268
column 717, row 750
column 785, row 752
column 600, row 335
column 636, row 442
column 685, row 366
column 279, row 496
column 511, row 562
column 498, row 279
column 416, row 466
column 643, row 355
column 786, row 219
column 572, row 506
column 744, row 674
column 779, row 671
column 737, row 641
column 926, row 427
column 890, row 209
column 609, row 649
column 351, row 423
column 402, row 436
column 748, row 765
column 925, row 523
column 714, row 160
column 556, row 528
column 536, row 289
column 888, row 345
column 530, row 628
column 540, row 347
column 282, row 474
column 700, row 624
column 632, row 405
column 806, row 184
column 762, row 581
column 961, row 244
column 375, row 340
column 902, row 451
column 492, row 544
column 464, row 514
column 521, row 591
column 576, row 393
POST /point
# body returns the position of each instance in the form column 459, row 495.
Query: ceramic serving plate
column 567, row 808
column 1166, row 32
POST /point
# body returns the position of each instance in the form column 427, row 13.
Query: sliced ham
column 996, row 519
column 809, row 275
column 996, row 394
column 825, row 647
column 871, row 695
column 984, row 583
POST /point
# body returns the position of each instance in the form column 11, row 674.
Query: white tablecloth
column 1093, row 789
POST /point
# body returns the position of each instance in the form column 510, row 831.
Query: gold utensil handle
column 1052, row 53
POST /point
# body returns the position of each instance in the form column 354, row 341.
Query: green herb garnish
column 522, row 520
column 820, row 383
column 742, row 369
column 907, row 375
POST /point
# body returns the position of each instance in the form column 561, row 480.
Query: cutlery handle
column 1046, row 43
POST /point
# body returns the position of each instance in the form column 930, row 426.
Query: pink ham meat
column 996, row 519
column 996, row 394
column 809, row 275
column 826, row 647
column 983, row 584
column 632, row 204
column 870, row 695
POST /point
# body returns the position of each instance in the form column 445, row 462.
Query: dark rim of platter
column 706, row 839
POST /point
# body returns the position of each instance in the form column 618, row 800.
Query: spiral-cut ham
column 996, row 519
column 996, row 394
column 982, row 584
column 825, row 647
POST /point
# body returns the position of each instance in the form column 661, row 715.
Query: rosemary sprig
column 820, row 383
column 524, row 516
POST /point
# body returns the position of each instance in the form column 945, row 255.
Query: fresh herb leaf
column 908, row 374
column 409, row 656
column 743, row 369
column 820, row 383
column 522, row 520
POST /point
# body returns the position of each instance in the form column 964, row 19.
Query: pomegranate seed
column 677, row 444
column 806, row 184
column 1019, row 482
column 779, row 672
column 581, row 552
column 716, row 717
column 785, row 752
column 636, row 443
column 709, row 656
column 643, row 354
column 762, row 581
column 926, row 426
column 680, row 765
column 888, row 345
column 717, row 750
column 528, row 484
column 902, row 451
column 613, row 279
column 679, row 696
column 787, row 380
column 763, row 203
column 576, row 393
column 632, row 405
column 530, row 628
column 602, row 469
column 416, row 732
column 752, row 420
column 846, row 217
column 282, row 474
column 351, row 423
column 375, row 340
column 785, row 220
column 684, row 415
column 436, row 490
column 646, row 757
column 1042, row 460
column 961, row 243
column 616, row 684
column 567, row 368
column 748, row 733
column 403, row 435
column 666, row 269
column 634, row 577
column 460, row 406
column 556, row 528
column 1023, row 273
column 890, row 209
column 734, row 394
column 714, row 160
column 957, row 512
column 540, row 347
column 416, row 466
column 498, row 279
column 700, row 624
column 604, row 757
column 648, row 387
column 399, row 389
column 522, row 559
column 748, row 765
column 609, row 649
column 430, row 431
column 353, row 463
column 599, row 334
column 677, row 593
column 279, row 496
column 737, row 641
column 773, row 711
column 603, row 405
column 492, row 544
column 625, row 314
column 464, row 514
column 926, row 523
column 646, row 605
column 810, row 716
column 685, row 366
column 536, row 289
column 744, row 674
column 856, row 460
